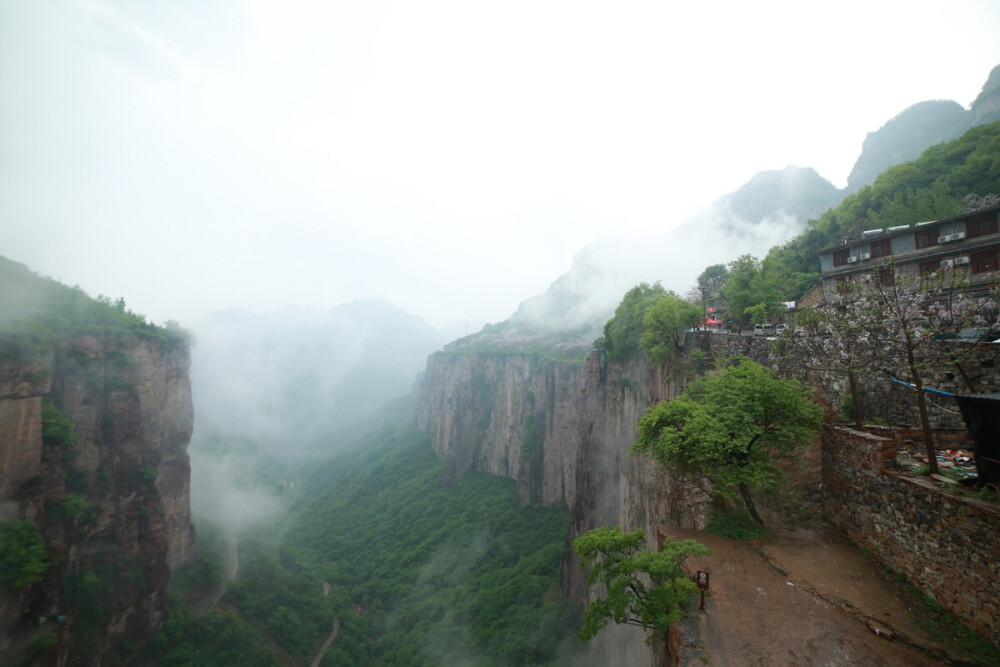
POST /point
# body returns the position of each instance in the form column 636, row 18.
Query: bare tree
column 833, row 340
column 895, row 318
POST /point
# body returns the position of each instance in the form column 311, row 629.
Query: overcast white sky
column 450, row 157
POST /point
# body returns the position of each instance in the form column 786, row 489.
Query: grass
column 943, row 628
column 726, row 523
column 947, row 630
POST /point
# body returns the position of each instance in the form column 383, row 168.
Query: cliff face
column 112, row 508
column 507, row 415
column 563, row 431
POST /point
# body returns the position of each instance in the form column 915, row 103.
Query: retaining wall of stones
column 947, row 545
column 977, row 371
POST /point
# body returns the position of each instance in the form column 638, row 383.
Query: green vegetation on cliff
column 732, row 427
column 36, row 311
column 651, row 319
column 23, row 559
column 640, row 587
column 510, row 339
column 623, row 332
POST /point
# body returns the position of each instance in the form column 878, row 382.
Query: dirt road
column 804, row 596
column 327, row 643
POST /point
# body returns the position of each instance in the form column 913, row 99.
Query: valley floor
column 804, row 596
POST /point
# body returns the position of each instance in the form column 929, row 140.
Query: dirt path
column 803, row 597
column 330, row 638
column 232, row 569
column 326, row 644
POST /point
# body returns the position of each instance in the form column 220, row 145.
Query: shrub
column 23, row 560
column 725, row 523
column 57, row 428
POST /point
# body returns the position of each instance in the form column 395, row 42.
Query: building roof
column 870, row 235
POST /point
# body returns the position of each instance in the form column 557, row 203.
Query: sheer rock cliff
column 112, row 507
column 563, row 431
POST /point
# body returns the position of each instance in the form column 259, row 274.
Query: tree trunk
column 748, row 501
column 856, row 412
column 970, row 386
column 925, row 422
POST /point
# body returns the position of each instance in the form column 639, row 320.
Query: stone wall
column 945, row 544
column 976, row 371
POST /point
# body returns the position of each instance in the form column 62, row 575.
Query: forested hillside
column 412, row 571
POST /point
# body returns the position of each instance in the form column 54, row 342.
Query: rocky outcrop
column 112, row 506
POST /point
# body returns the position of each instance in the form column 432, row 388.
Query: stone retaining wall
column 947, row 545
column 894, row 403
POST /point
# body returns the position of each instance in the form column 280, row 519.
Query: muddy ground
column 802, row 596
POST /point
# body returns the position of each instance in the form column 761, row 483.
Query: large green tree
column 731, row 427
column 623, row 332
column 751, row 287
column 642, row 587
column 664, row 325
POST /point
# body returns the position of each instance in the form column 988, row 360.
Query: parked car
column 781, row 329
column 763, row 330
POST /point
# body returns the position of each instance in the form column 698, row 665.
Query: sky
column 449, row 157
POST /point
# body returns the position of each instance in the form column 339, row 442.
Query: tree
column 749, row 286
column 834, row 341
column 623, row 331
column 898, row 318
column 709, row 286
column 731, row 427
column 623, row 565
column 664, row 325
column 23, row 560
column 57, row 428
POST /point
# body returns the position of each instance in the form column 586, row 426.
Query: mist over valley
column 327, row 331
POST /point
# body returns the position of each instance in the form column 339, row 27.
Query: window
column 927, row 268
column 840, row 257
column 981, row 225
column 983, row 261
column 927, row 238
column 884, row 276
column 881, row 248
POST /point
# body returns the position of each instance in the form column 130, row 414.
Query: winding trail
column 318, row 658
column 326, row 644
column 232, row 568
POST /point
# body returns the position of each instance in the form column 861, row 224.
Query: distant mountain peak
column 798, row 192
column 905, row 136
column 986, row 107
